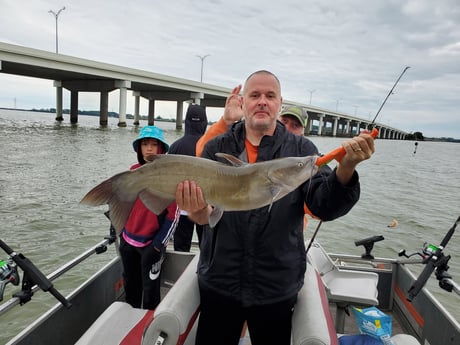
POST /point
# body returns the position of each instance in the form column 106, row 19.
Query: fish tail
column 99, row 195
column 104, row 193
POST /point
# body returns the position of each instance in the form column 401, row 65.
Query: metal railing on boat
column 96, row 249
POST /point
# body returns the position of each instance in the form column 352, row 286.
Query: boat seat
column 175, row 316
column 343, row 287
column 119, row 322
column 172, row 320
column 312, row 322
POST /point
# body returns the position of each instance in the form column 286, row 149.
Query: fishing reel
column 427, row 251
column 8, row 274
column 434, row 260
column 32, row 276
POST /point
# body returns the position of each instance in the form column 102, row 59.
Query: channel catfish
column 228, row 187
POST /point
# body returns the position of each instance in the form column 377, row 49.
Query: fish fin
column 155, row 202
column 215, row 216
column 275, row 192
column 119, row 213
column 231, row 159
column 151, row 158
column 99, row 195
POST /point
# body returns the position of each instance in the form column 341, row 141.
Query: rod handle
column 339, row 152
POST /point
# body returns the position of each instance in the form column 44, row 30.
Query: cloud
column 350, row 52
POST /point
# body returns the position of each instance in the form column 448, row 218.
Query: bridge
column 81, row 75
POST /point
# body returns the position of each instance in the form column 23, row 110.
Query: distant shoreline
column 161, row 119
column 112, row 114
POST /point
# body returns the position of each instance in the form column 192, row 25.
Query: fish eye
column 300, row 164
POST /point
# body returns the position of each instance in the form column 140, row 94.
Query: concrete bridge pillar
column 308, row 126
column 347, row 128
column 58, row 85
column 104, row 109
column 73, row 106
column 179, row 112
column 321, row 123
column 151, row 115
column 123, row 85
column 358, row 125
column 137, row 97
column 334, row 126
column 197, row 97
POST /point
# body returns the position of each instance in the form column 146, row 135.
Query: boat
column 95, row 312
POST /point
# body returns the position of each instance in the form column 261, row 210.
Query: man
column 295, row 119
column 252, row 263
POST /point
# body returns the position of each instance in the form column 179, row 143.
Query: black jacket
column 195, row 126
column 258, row 257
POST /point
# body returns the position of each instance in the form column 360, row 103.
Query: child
column 145, row 235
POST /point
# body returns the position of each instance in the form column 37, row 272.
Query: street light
column 202, row 60
column 311, row 92
column 56, row 15
column 356, row 108
column 337, row 105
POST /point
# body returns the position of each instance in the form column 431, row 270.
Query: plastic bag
column 358, row 339
column 374, row 322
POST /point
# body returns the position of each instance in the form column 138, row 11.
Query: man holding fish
column 252, row 262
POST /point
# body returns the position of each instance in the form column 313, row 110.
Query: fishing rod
column 32, row 276
column 389, row 93
column 340, row 152
column 434, row 259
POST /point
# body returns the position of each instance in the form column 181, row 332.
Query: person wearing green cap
column 295, row 119
column 145, row 235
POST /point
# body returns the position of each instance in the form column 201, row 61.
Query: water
column 47, row 167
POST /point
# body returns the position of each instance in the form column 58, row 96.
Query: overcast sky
column 344, row 55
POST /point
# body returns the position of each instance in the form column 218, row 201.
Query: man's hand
column 233, row 107
column 357, row 149
column 189, row 198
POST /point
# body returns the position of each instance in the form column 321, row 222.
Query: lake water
column 47, row 167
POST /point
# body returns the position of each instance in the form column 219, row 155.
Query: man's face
column 261, row 101
column 292, row 124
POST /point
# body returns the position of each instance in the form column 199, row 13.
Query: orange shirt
column 220, row 127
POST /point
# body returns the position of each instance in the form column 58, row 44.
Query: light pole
column 311, row 92
column 56, row 15
column 356, row 108
column 337, row 105
column 202, row 61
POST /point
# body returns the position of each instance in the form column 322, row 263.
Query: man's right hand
column 233, row 107
column 189, row 198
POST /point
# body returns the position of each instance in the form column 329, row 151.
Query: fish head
column 291, row 172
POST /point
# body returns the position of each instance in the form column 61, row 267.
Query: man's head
column 261, row 100
column 295, row 119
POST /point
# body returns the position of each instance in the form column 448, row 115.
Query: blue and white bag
column 374, row 322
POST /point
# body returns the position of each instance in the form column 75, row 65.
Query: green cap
column 298, row 112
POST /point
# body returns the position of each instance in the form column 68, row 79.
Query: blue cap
column 151, row 132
